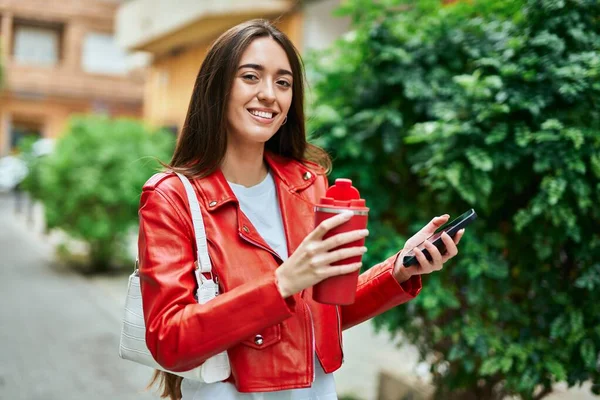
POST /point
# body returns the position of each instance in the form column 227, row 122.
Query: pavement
column 59, row 330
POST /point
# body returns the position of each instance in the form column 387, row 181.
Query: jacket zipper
column 312, row 331
column 337, row 314
column 216, row 280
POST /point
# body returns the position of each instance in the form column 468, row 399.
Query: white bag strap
column 203, row 260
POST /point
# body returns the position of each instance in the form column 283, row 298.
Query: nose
column 266, row 92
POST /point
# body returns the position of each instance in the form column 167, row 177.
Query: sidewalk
column 59, row 333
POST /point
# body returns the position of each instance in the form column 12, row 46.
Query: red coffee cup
column 341, row 197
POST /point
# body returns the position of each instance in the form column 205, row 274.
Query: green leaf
column 497, row 135
column 490, row 367
column 326, row 114
column 595, row 163
column 506, row 364
column 339, row 132
column 479, row 159
column 552, row 124
column 588, row 353
column 453, row 175
column 554, row 188
column 557, row 370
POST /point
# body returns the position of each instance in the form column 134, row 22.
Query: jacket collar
column 294, row 176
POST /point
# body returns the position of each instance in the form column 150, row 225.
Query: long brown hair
column 202, row 143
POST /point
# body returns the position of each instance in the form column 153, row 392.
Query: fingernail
column 363, row 249
column 347, row 214
column 364, row 232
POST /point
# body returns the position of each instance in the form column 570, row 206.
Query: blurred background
column 431, row 107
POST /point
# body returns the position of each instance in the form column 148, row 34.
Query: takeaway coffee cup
column 341, row 197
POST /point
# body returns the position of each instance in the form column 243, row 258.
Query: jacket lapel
column 291, row 179
column 297, row 211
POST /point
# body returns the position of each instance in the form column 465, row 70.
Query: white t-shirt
column 260, row 204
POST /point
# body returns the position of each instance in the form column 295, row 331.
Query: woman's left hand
column 425, row 266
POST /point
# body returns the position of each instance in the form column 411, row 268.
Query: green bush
column 90, row 185
column 496, row 106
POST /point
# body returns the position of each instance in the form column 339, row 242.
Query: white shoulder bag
column 133, row 333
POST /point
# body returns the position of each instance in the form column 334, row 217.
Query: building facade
column 60, row 59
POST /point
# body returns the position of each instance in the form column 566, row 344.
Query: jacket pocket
column 266, row 338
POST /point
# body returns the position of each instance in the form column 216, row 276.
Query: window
column 36, row 44
column 21, row 130
column 101, row 55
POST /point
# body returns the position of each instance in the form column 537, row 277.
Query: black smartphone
column 451, row 228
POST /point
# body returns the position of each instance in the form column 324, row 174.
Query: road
column 59, row 332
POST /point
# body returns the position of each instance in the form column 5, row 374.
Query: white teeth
column 262, row 114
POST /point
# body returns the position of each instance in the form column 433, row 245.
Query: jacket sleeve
column 180, row 333
column 378, row 291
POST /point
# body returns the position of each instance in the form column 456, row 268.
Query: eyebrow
column 259, row 67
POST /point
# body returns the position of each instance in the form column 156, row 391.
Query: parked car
column 13, row 168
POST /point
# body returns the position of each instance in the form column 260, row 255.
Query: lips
column 262, row 115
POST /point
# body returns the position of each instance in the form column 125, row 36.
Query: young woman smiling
column 257, row 179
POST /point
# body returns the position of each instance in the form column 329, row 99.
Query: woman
column 257, row 180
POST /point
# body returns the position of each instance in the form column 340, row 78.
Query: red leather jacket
column 181, row 334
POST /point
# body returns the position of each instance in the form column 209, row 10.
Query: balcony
column 32, row 82
column 158, row 27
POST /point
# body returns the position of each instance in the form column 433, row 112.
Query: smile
column 262, row 116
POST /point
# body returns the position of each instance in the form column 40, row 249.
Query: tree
column 90, row 184
column 491, row 105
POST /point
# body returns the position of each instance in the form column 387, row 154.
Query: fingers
column 335, row 270
column 329, row 224
column 434, row 253
column 424, row 265
column 344, row 238
column 451, row 249
column 338, row 255
column 439, row 221
column 435, row 223
column 458, row 236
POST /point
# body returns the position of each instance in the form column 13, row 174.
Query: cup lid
column 342, row 194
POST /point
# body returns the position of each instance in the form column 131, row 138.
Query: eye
column 250, row 77
column 283, row 83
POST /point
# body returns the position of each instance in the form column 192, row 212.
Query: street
column 59, row 332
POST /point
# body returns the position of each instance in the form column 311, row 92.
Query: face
column 261, row 93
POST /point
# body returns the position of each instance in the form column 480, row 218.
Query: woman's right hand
column 311, row 262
